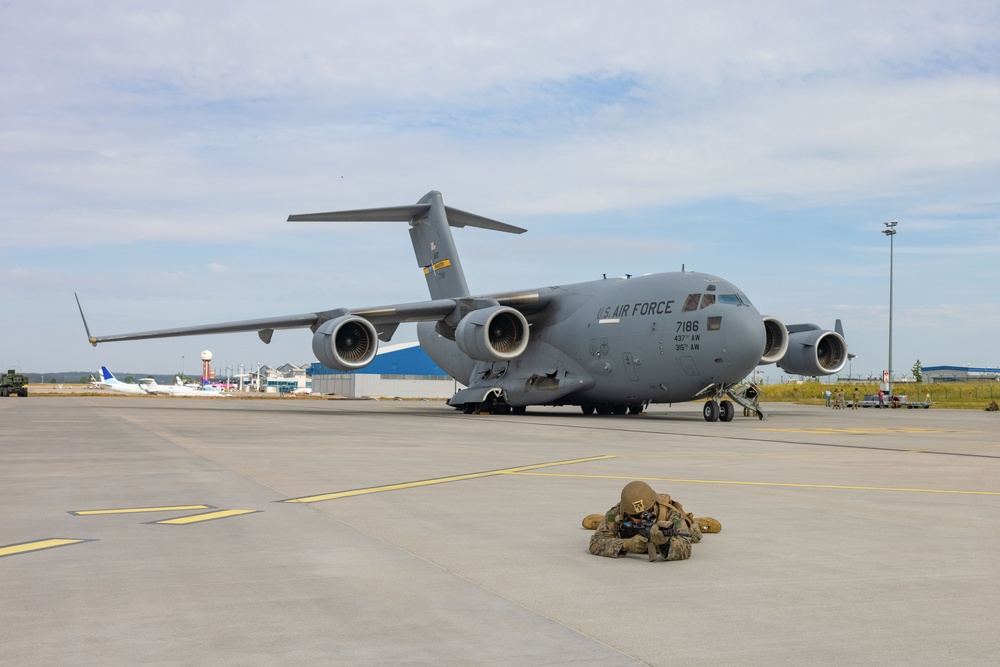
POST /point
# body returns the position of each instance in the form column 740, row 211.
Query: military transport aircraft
column 610, row 346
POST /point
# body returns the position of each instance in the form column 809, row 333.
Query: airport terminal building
column 398, row 371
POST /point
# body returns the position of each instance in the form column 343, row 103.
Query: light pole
column 890, row 231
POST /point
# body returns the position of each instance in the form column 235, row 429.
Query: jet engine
column 497, row 333
column 776, row 337
column 345, row 343
column 813, row 352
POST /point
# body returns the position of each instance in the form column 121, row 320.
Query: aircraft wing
column 385, row 316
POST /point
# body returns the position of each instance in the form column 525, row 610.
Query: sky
column 151, row 152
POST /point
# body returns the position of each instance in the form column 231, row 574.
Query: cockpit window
column 744, row 299
column 691, row 303
column 707, row 300
column 729, row 299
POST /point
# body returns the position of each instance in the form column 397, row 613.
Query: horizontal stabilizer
column 387, row 214
column 456, row 217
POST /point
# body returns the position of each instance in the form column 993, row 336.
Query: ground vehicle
column 13, row 383
column 898, row 401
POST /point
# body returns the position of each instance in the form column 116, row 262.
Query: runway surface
column 166, row 531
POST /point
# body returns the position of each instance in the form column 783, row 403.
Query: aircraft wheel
column 619, row 408
column 519, row 409
column 603, row 409
column 711, row 411
column 726, row 411
column 587, row 408
column 635, row 408
column 469, row 408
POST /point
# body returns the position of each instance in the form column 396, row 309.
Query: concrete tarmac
column 159, row 531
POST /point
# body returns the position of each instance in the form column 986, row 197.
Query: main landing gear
column 715, row 411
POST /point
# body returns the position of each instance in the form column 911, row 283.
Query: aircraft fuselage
column 657, row 338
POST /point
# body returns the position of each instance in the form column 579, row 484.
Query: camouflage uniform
column 684, row 531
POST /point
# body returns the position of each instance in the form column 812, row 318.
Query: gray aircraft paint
column 613, row 343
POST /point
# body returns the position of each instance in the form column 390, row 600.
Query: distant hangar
column 398, row 371
column 933, row 374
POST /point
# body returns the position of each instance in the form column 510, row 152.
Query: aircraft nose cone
column 745, row 341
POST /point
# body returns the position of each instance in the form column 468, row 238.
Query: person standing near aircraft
column 645, row 522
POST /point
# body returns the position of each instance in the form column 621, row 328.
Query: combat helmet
column 637, row 497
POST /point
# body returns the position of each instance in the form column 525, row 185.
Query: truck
column 13, row 383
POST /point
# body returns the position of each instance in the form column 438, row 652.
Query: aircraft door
column 687, row 363
column 630, row 368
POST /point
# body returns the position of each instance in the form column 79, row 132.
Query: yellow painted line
column 208, row 516
column 770, row 484
column 862, row 431
column 38, row 545
column 131, row 510
column 439, row 480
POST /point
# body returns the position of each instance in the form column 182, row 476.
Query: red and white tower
column 206, row 366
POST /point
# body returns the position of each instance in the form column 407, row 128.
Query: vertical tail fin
column 435, row 250
column 433, row 244
column 107, row 375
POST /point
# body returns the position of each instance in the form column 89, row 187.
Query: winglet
column 90, row 339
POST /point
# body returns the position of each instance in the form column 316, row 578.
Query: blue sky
column 151, row 152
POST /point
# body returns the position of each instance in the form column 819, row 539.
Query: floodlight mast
column 890, row 231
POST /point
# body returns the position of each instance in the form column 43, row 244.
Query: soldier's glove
column 635, row 544
column 660, row 532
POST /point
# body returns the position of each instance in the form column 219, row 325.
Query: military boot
column 592, row 521
column 708, row 525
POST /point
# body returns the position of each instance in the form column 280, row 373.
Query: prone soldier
column 645, row 522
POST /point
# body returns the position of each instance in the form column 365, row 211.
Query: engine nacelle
column 776, row 345
column 814, row 352
column 491, row 334
column 345, row 343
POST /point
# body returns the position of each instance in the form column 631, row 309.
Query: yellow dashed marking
column 208, row 516
column 439, row 480
column 38, row 545
column 131, row 510
column 770, row 484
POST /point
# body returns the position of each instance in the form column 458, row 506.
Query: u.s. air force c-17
column 610, row 346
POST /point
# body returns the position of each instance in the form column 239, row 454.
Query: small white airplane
column 109, row 381
column 209, row 390
column 150, row 386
